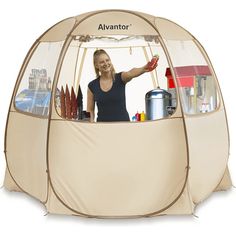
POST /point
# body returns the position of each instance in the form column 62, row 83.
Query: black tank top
column 111, row 104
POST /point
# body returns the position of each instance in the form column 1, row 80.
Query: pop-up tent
column 165, row 165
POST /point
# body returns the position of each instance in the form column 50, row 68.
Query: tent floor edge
column 183, row 206
column 225, row 183
column 9, row 183
column 54, row 206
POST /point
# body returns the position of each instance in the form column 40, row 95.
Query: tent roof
column 115, row 22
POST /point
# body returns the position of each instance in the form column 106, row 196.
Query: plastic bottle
column 134, row 118
column 153, row 63
column 142, row 116
column 205, row 106
column 137, row 115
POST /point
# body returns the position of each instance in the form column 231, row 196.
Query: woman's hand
column 151, row 65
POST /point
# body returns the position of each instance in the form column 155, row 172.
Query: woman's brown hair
column 96, row 54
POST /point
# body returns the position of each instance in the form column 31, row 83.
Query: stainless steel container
column 157, row 102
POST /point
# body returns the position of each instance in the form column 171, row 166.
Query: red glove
column 153, row 63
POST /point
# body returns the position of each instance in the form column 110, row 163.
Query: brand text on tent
column 113, row 27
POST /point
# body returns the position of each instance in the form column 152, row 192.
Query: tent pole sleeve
column 80, row 70
column 77, row 58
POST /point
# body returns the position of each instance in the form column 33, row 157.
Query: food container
column 157, row 102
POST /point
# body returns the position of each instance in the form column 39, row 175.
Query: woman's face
column 103, row 63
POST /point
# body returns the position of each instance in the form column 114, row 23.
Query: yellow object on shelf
column 143, row 116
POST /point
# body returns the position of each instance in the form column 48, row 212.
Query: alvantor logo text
column 113, row 27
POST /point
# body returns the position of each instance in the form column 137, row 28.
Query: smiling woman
column 108, row 89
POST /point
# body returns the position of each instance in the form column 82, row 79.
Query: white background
column 211, row 22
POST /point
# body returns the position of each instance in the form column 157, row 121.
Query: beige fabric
column 9, row 183
column 146, row 16
column 26, row 153
column 225, row 182
column 208, row 149
column 55, row 206
column 59, row 31
column 129, row 167
column 132, row 24
column 184, row 205
column 170, row 30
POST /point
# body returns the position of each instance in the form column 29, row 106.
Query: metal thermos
column 157, row 102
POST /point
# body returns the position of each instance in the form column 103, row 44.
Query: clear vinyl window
column 196, row 83
column 125, row 52
column 34, row 92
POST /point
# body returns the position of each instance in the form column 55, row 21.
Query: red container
column 138, row 116
column 185, row 75
column 153, row 63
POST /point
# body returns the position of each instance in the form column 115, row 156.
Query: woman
column 108, row 89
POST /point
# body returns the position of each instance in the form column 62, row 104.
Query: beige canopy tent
column 117, row 169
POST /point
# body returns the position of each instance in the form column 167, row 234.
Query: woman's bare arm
column 135, row 72
column 90, row 104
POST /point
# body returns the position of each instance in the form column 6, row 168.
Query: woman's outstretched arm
column 135, row 72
